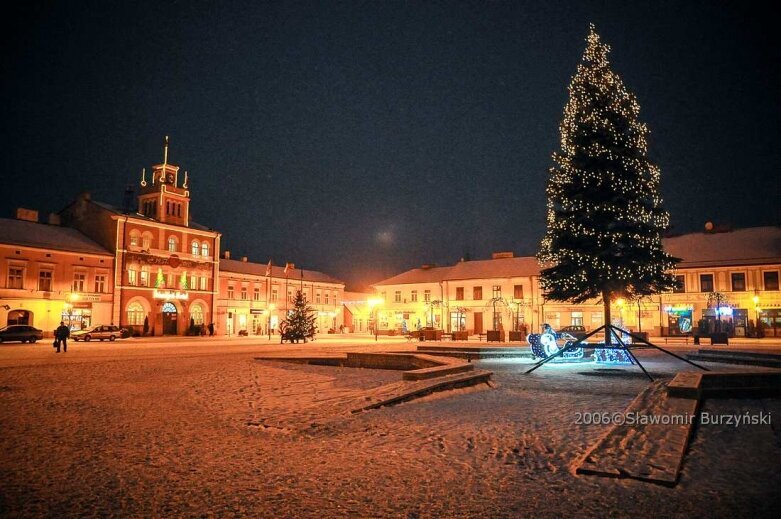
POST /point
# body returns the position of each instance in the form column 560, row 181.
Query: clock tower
column 162, row 197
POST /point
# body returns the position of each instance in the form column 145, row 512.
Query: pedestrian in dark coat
column 211, row 329
column 61, row 334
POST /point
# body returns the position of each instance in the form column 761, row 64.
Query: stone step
column 741, row 353
column 437, row 371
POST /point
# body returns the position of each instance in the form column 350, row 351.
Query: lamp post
column 757, row 310
column 268, row 328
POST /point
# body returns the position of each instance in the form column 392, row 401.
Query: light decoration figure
column 546, row 344
column 615, row 354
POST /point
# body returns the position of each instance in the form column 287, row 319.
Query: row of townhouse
column 154, row 270
column 741, row 267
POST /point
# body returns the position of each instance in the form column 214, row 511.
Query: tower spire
column 165, row 150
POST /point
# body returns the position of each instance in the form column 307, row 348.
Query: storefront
column 771, row 322
column 77, row 316
column 679, row 320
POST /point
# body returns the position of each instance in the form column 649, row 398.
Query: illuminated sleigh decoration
column 546, row 344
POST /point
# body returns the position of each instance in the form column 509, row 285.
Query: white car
column 100, row 332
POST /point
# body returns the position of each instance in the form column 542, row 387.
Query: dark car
column 576, row 331
column 20, row 332
column 101, row 332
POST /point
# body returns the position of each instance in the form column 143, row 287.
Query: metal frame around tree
column 622, row 346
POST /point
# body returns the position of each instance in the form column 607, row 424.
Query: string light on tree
column 604, row 214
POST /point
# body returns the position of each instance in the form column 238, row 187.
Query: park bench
column 481, row 336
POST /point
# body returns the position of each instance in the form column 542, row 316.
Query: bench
column 481, row 336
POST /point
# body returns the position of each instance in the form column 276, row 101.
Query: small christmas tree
column 605, row 218
column 300, row 322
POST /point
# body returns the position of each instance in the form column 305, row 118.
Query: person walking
column 61, row 334
column 211, row 329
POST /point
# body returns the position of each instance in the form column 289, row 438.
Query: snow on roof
column 523, row 266
column 259, row 269
column 43, row 236
column 419, row 275
column 752, row 246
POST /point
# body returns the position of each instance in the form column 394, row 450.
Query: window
column 771, row 280
column 427, row 296
column 397, row 296
column 577, row 319
column 171, row 244
column 135, row 239
column 517, row 291
column 178, row 209
column 195, row 249
column 15, row 277
column 205, row 250
column 274, row 295
column 146, row 241
column 45, row 281
column 196, row 314
column 79, row 279
column 135, row 314
column 231, row 295
column 459, row 293
column 706, row 282
column 100, row 283
column 256, row 294
column 132, row 277
column 328, row 299
column 204, row 283
column 144, row 277
column 193, row 282
column 596, row 319
column 680, row 282
column 244, row 293
column 317, row 297
column 496, row 290
column 414, row 296
column 738, row 281
column 477, row 293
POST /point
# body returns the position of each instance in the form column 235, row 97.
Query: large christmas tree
column 605, row 218
column 300, row 322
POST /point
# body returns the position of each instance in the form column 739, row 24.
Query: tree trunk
column 606, row 303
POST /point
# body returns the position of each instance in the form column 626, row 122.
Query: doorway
column 478, row 322
column 169, row 319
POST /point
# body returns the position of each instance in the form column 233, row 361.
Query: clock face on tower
column 169, row 177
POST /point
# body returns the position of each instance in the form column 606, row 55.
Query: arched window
column 146, row 241
column 135, row 314
column 172, row 244
column 195, row 248
column 205, row 249
column 135, row 238
column 196, row 314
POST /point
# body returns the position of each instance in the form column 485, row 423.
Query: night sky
column 365, row 138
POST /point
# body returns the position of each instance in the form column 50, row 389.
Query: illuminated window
column 196, row 313
column 328, row 301
column 135, row 314
column 203, row 283
column 427, row 296
column 274, row 295
column 231, row 294
column 497, row 291
column 144, row 276
column 414, row 296
column 577, row 319
column 196, row 248
column 205, row 249
column 477, row 293
column 132, row 277
column 244, row 294
column 171, row 244
column 397, row 296
column 256, row 294
column 317, row 297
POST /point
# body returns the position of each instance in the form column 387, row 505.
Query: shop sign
column 256, row 311
column 82, row 305
column 170, row 294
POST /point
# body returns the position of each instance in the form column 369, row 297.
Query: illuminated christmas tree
column 300, row 322
column 605, row 218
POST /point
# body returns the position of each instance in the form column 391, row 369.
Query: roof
column 419, row 275
column 116, row 210
column 259, row 269
column 751, row 246
column 44, row 236
column 523, row 266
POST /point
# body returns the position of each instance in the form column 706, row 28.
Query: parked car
column 101, row 333
column 575, row 330
column 20, row 332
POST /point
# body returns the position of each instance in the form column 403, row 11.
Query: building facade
column 729, row 281
column 254, row 297
column 165, row 265
column 51, row 274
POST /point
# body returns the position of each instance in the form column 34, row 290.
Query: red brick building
column 165, row 265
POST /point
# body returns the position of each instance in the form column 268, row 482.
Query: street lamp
column 757, row 309
column 374, row 303
column 271, row 307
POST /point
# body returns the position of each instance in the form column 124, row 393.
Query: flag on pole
column 289, row 267
column 268, row 268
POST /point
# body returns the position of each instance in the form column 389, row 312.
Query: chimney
column 29, row 215
column 244, row 259
column 427, row 266
column 54, row 219
column 502, row 255
column 226, row 254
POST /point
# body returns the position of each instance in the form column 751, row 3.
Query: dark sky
column 365, row 138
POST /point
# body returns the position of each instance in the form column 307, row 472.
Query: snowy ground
column 192, row 430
